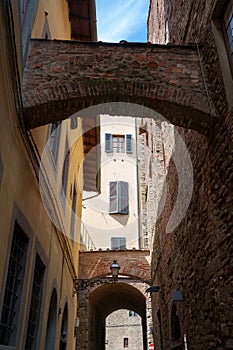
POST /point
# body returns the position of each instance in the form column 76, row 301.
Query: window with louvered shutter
column 129, row 146
column 118, row 197
column 108, row 143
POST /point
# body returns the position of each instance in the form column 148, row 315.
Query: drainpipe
column 137, row 179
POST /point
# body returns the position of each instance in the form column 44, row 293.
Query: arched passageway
column 106, row 299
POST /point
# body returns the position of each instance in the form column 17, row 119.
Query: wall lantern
column 82, row 284
column 178, row 295
column 153, row 289
column 115, row 268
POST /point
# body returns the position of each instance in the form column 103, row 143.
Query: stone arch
column 108, row 298
column 50, row 339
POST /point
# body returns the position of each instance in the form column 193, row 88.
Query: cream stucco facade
column 114, row 166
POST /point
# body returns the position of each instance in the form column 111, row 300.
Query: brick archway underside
column 115, row 296
column 64, row 77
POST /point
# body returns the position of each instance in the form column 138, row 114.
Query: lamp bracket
column 82, row 284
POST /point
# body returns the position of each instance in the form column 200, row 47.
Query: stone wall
column 124, row 324
column 196, row 258
column 156, row 141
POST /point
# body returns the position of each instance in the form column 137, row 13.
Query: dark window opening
column 65, row 172
column 132, row 313
column 73, row 214
column 126, row 342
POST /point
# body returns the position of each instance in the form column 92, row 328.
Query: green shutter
column 113, row 197
column 108, row 143
column 129, row 146
column 123, row 200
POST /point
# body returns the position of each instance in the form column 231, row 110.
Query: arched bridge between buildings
column 99, row 299
column 64, row 77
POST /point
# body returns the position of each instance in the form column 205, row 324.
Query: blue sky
column 122, row 20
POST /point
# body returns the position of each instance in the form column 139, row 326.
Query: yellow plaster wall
column 19, row 185
column 57, row 17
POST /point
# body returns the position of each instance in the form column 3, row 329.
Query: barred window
column 118, row 197
column 36, row 297
column 13, row 288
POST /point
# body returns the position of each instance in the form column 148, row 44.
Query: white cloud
column 122, row 19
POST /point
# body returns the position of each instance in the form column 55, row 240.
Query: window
column 65, row 171
column 54, row 139
column 34, row 314
column 228, row 26
column 118, row 243
column 126, row 342
column 73, row 213
column 118, row 197
column 73, row 122
column 13, row 288
column 117, row 144
column 132, row 313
